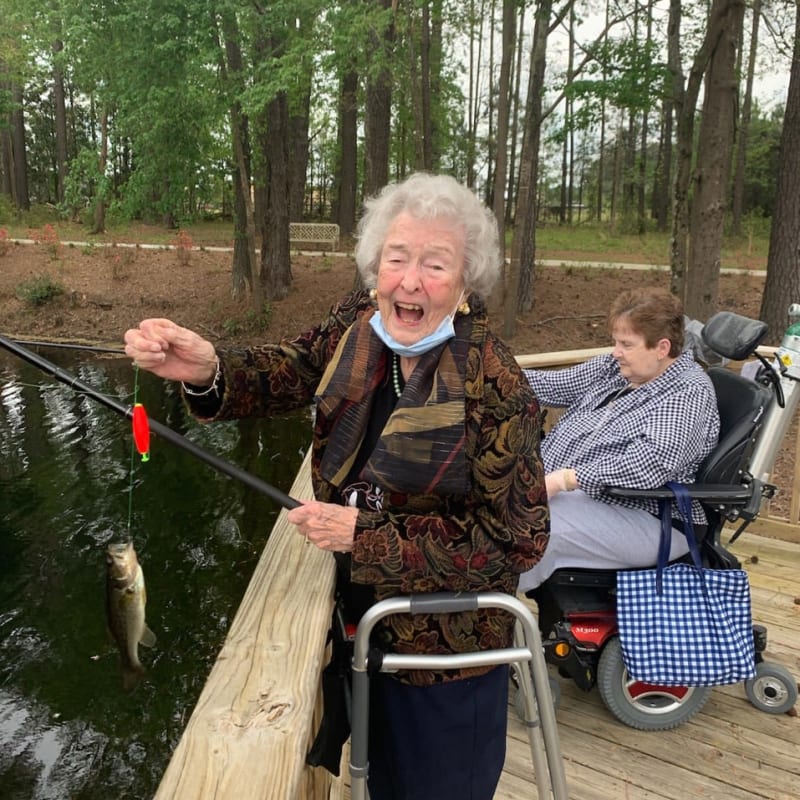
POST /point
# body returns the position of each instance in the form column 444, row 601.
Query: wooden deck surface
column 729, row 751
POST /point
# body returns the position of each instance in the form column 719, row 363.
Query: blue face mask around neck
column 443, row 333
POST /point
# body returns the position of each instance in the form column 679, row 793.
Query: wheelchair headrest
column 732, row 335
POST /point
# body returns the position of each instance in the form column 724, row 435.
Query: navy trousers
column 442, row 742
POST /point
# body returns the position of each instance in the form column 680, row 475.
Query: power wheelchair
column 576, row 607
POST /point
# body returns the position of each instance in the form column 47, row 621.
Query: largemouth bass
column 125, row 609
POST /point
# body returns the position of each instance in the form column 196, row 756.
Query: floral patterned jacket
column 478, row 541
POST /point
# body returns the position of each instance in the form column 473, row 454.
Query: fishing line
column 133, row 451
column 139, row 442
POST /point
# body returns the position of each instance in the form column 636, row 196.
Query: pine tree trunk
column 737, row 202
column 276, row 265
column 513, row 136
column 474, row 68
column 298, row 163
column 99, row 223
column 782, row 286
column 665, row 177
column 713, row 167
column 60, row 119
column 501, row 165
column 425, row 87
column 6, row 147
column 435, row 80
column 415, row 90
column 19, row 150
column 685, row 104
column 299, row 123
column 642, row 176
column 244, row 270
column 6, row 164
column 519, row 292
column 378, row 110
column 348, row 149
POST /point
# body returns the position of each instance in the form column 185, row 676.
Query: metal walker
column 526, row 656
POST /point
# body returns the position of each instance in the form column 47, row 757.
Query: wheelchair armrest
column 734, row 494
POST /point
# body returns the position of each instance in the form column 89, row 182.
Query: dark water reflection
column 67, row 730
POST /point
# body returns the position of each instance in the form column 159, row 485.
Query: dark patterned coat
column 421, row 542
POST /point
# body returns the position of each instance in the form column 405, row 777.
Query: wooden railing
column 249, row 733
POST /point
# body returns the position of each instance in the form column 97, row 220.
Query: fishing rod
column 225, row 467
column 90, row 348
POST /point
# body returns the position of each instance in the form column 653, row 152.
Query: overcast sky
column 771, row 82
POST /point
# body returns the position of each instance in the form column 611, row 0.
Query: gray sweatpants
column 590, row 534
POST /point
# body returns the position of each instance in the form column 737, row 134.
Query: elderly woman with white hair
column 425, row 465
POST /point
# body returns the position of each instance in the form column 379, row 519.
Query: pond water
column 70, row 485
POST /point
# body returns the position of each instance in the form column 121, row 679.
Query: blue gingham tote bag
column 684, row 624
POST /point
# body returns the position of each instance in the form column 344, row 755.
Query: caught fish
column 125, row 609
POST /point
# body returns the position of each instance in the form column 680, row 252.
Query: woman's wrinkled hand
column 327, row 525
column 170, row 351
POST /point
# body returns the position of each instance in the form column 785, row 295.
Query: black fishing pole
column 163, row 431
column 89, row 348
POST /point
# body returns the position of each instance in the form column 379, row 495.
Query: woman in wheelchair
column 637, row 418
column 425, row 465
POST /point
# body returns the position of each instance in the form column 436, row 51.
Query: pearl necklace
column 396, row 375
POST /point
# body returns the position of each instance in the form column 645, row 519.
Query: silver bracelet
column 212, row 388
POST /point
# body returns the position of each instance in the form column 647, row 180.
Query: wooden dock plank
column 773, row 582
column 765, row 562
column 610, row 760
column 772, row 527
column 773, row 567
column 692, row 758
column 706, row 757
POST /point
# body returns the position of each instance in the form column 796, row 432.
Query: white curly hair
column 426, row 196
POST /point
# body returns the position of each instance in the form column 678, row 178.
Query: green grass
column 218, row 233
column 587, row 240
column 600, row 240
column 748, row 251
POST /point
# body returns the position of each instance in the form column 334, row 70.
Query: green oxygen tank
column 789, row 352
column 779, row 415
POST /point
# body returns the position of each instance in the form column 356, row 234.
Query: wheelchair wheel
column 773, row 689
column 641, row 705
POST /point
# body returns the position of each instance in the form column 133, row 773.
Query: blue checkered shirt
column 659, row 432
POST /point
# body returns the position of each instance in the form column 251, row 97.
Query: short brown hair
column 652, row 313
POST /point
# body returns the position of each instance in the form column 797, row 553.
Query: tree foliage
column 626, row 73
column 153, row 106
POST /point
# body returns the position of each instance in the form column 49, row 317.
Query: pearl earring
column 373, row 294
column 464, row 308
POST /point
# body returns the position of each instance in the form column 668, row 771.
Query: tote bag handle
column 684, row 503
